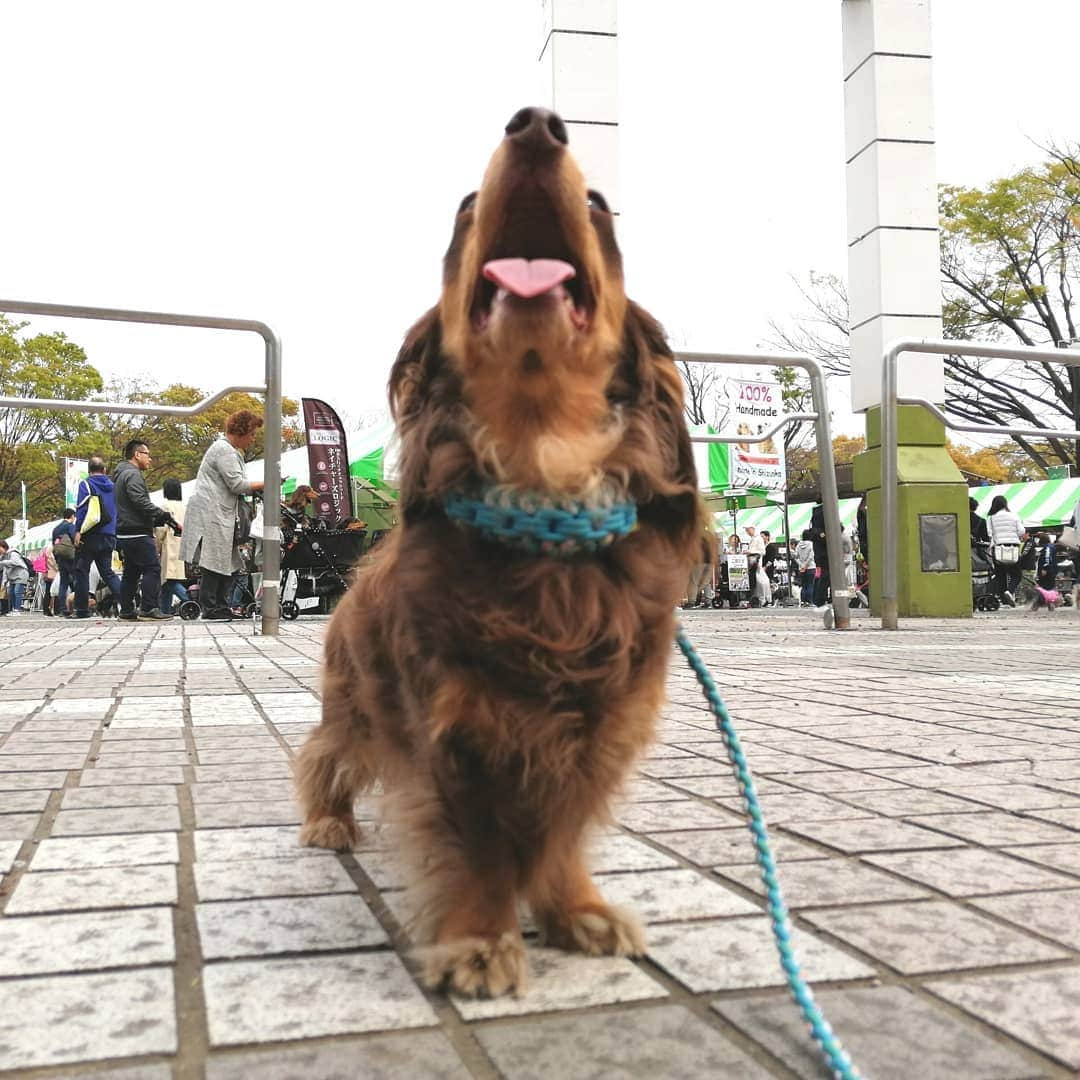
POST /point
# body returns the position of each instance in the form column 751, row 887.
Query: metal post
column 890, row 452
column 829, row 500
column 271, row 583
column 890, row 513
column 272, row 421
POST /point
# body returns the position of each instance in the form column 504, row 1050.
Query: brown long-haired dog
column 502, row 696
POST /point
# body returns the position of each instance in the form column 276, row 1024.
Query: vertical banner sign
column 328, row 462
column 75, row 471
column 756, row 407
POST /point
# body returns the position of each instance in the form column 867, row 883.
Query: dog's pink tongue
column 528, row 277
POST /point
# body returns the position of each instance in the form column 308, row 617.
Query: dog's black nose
column 537, row 129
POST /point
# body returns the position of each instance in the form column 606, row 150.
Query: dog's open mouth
column 530, row 266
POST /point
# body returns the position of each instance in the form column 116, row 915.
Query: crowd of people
column 119, row 549
column 1011, row 549
column 797, row 569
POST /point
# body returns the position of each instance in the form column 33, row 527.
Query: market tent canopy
column 772, row 518
column 372, row 453
column 1037, row 503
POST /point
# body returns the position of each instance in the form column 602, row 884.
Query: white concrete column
column 894, row 275
column 579, row 54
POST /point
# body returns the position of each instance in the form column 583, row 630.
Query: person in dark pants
column 64, row 553
column 821, row 556
column 136, row 519
column 95, row 542
column 209, row 523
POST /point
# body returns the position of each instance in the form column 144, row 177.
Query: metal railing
column 890, row 454
column 271, row 608
column 830, row 502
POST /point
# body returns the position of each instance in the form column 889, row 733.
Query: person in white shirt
column 756, row 547
column 847, row 549
column 804, row 560
column 1006, row 536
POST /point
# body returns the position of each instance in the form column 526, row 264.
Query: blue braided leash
column 822, row 1033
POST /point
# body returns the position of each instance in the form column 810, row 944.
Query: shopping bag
column 1006, row 554
column 96, row 514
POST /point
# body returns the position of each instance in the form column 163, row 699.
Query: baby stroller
column 242, row 598
column 1066, row 580
column 316, row 563
column 735, row 597
column 984, row 595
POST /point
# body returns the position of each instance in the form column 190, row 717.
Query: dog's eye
column 467, row 203
column 598, row 202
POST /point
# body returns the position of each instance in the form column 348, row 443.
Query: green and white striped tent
column 772, row 518
column 1038, row 503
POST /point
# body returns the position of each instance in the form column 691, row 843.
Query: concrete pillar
column 894, row 284
column 579, row 55
column 892, row 228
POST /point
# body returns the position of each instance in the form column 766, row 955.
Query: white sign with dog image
column 755, row 407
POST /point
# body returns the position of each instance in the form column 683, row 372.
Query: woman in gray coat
column 210, row 520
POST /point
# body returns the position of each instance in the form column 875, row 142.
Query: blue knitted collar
column 540, row 524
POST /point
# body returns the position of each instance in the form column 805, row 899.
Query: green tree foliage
column 42, row 366
column 797, row 397
column 1010, row 268
column 803, row 466
column 33, row 443
column 177, row 443
column 1010, row 263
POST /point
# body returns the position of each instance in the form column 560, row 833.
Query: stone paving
column 157, row 918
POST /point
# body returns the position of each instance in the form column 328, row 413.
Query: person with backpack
column 64, row 552
column 95, row 535
column 17, row 570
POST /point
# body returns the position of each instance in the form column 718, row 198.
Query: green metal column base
column 930, row 483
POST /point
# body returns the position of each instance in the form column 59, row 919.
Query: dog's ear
column 417, row 361
column 425, row 400
column 649, row 387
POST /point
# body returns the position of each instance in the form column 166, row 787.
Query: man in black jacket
column 821, row 556
column 136, row 517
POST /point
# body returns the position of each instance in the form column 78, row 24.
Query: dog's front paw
column 597, row 931
column 477, row 967
column 335, row 833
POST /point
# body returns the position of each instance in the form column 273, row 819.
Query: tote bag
column 96, row 514
column 1006, row 554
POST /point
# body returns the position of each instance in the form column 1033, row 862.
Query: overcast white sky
column 301, row 163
